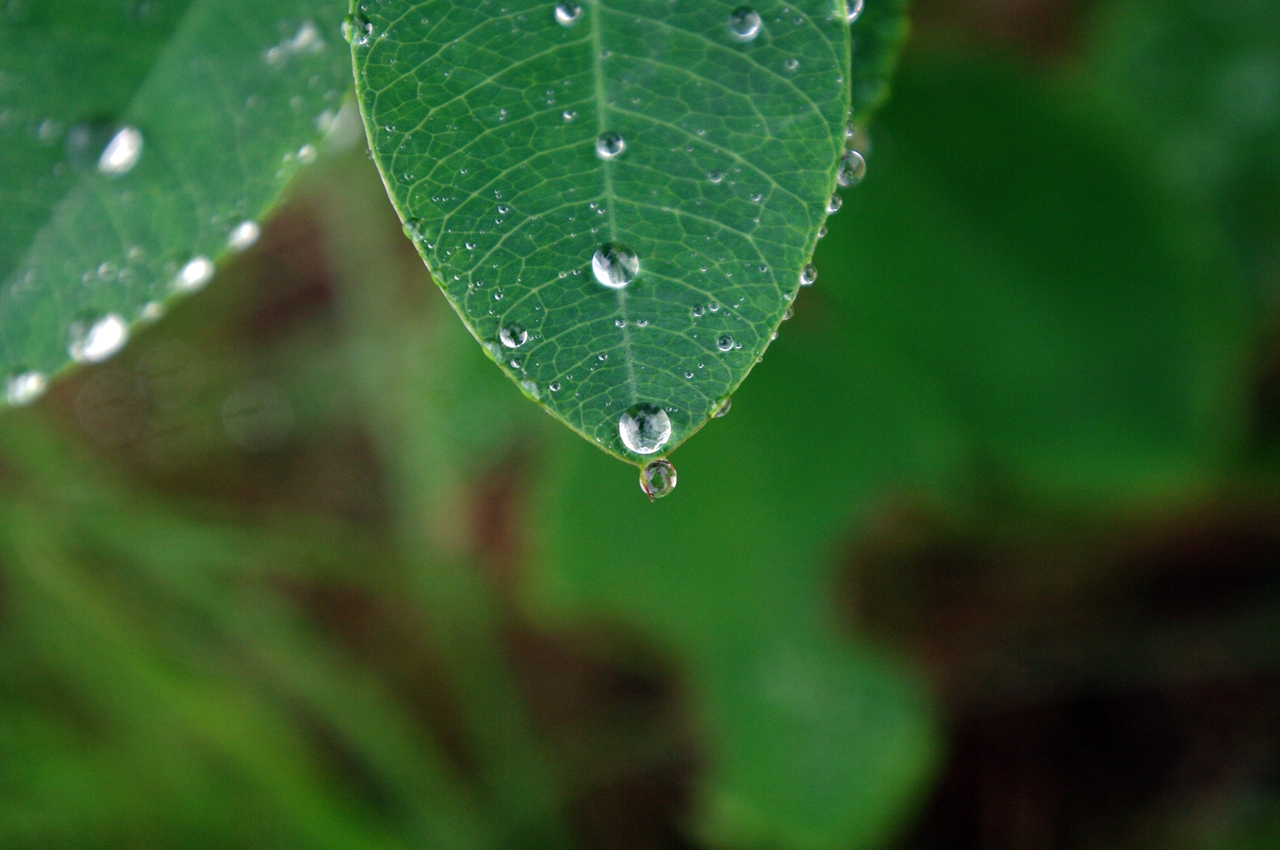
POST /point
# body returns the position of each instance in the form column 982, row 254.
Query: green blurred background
column 986, row 555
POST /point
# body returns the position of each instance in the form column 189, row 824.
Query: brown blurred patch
column 1045, row 30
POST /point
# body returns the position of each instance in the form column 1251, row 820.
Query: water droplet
column 791, row 64
column 554, row 386
column 716, row 176
column 658, row 479
column 307, row 154
column 852, row 169
column 532, row 389
column 834, row 203
column 644, row 429
column 853, row 10
column 698, row 311
column 93, row 343
column 822, row 232
column 414, row 228
column 722, row 408
column 121, row 153
column 610, row 145
column 24, row 388
column 503, row 209
column 357, row 30
column 569, row 115
column 567, row 13
column 513, row 336
column 725, row 342
column 688, row 376
column 470, row 246
column 244, row 236
column 194, row 275
column 744, row 23
column 615, row 265
column 808, row 275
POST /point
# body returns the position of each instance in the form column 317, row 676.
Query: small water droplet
column 722, row 408
column 716, row 176
column 822, row 232
column 852, row 169
column 513, row 336
column 688, row 376
column 93, row 343
column 569, row 115
column 834, row 203
column 503, row 209
column 658, row 479
column 698, row 311
column 853, row 10
column 244, row 236
column 725, row 342
column 808, row 275
column 554, row 386
column 610, row 145
column 791, row 64
column 567, row 13
column 24, row 388
column 744, row 23
column 307, row 154
column 194, row 275
column 121, row 153
column 615, row 265
column 470, row 246
column 531, row 388
column 644, row 429
column 357, row 30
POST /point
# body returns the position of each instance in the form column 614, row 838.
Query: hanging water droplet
column 658, row 479
column 610, row 145
column 244, row 236
column 834, row 203
column 744, row 23
column 194, row 275
column 716, row 176
column 513, row 336
column 852, row 169
column 808, row 275
column 725, row 342
column 121, row 153
column 853, row 10
column 93, row 343
column 644, row 428
column 567, row 13
column 822, row 232
column 24, row 388
column 357, row 30
column 615, row 265
column 722, row 408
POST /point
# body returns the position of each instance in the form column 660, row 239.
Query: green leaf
column 485, row 121
column 143, row 141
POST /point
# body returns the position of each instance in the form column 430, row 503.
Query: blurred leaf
column 144, row 140
column 492, row 131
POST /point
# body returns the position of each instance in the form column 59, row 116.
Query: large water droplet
column 610, row 145
column 244, row 236
column 93, row 343
column 194, row 275
column 852, row 169
column 644, row 429
column 513, row 336
column 658, row 479
column 722, row 408
column 808, row 275
column 24, row 388
column 853, row 10
column 121, row 153
column 744, row 23
column 615, row 265
column 567, row 13
column 725, row 342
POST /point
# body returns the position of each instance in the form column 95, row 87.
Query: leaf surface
column 142, row 141
column 519, row 141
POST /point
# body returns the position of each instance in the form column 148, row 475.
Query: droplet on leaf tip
column 658, row 479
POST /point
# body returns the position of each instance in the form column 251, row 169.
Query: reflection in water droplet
column 194, row 275
column 610, row 145
column 244, row 236
column 834, row 204
column 24, row 388
column 853, row 10
column 658, row 479
column 567, row 13
column 725, row 342
column 121, row 153
column 808, row 275
column 513, row 336
column 722, row 408
column 852, row 169
column 615, row 265
column 744, row 23
column 644, row 429
column 93, row 343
